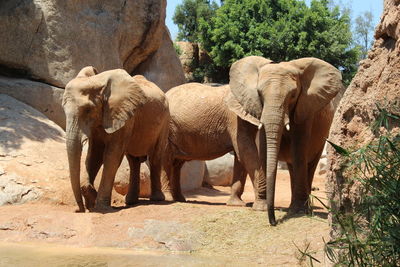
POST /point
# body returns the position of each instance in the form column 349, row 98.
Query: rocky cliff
column 376, row 82
column 49, row 41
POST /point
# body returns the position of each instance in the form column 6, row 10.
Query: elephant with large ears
column 118, row 115
column 297, row 94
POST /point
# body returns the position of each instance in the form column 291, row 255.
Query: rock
column 191, row 177
column 13, row 191
column 377, row 81
column 27, row 137
column 37, row 45
column 42, row 97
column 163, row 67
column 121, row 182
column 219, row 171
column 37, row 36
column 322, row 166
column 189, row 58
column 175, row 236
column 192, row 174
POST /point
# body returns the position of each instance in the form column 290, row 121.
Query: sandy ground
column 202, row 227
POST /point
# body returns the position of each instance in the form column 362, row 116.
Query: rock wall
column 377, row 81
column 51, row 40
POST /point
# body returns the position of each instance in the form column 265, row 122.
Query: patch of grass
column 247, row 233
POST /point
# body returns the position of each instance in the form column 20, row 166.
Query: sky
column 357, row 6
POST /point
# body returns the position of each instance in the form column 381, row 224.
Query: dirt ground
column 202, row 227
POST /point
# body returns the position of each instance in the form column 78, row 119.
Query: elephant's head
column 102, row 101
column 271, row 92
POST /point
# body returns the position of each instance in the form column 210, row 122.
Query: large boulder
column 163, row 67
column 377, row 81
column 32, row 155
column 50, row 41
column 219, row 171
column 41, row 96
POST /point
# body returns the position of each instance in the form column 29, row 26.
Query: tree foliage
column 364, row 32
column 281, row 30
column 189, row 15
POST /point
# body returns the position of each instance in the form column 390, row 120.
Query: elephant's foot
column 179, row 197
column 235, row 201
column 80, row 208
column 260, row 205
column 157, row 196
column 103, row 206
column 131, row 199
column 299, row 207
column 90, row 195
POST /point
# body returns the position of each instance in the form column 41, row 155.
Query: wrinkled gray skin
column 298, row 93
column 203, row 128
column 118, row 115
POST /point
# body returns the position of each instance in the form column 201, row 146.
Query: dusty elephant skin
column 298, row 93
column 203, row 128
column 118, row 114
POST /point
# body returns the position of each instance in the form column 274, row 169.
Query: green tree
column 187, row 17
column 280, row 30
column 364, row 32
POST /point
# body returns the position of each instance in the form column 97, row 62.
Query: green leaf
column 339, row 149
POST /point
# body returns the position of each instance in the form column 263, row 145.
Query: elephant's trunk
column 272, row 119
column 74, row 150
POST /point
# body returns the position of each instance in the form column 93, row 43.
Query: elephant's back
column 196, row 96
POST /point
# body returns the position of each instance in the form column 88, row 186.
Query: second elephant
column 203, row 128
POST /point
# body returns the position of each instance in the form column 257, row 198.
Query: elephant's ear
column 87, row 72
column 123, row 95
column 238, row 109
column 320, row 82
column 243, row 81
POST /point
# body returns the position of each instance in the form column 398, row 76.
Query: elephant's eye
column 86, row 109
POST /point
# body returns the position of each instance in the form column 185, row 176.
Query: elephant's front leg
column 238, row 183
column 94, row 160
column 247, row 153
column 113, row 155
column 300, row 137
column 132, row 197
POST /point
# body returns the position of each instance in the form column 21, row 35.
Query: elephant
column 293, row 101
column 118, row 115
column 203, row 128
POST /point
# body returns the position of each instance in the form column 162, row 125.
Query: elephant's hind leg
column 132, row 197
column 176, row 180
column 238, row 183
column 155, row 176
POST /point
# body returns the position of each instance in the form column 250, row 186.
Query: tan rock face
column 52, row 40
column 42, row 97
column 163, row 67
column 377, row 81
